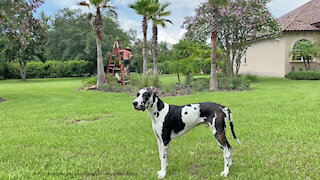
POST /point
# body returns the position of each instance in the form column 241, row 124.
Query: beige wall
column 272, row 57
column 265, row 58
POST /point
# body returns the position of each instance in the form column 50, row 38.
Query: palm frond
column 83, row 3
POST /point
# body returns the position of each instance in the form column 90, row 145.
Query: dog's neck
column 156, row 104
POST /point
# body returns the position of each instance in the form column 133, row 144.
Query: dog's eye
column 146, row 96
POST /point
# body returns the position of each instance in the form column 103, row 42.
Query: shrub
column 147, row 82
column 51, row 69
column 3, row 68
column 304, row 75
column 252, row 78
column 90, row 81
column 200, row 84
column 225, row 83
column 13, row 70
column 239, row 83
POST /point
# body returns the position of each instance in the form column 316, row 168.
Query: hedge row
column 304, row 75
column 50, row 69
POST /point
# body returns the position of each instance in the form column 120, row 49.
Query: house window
column 298, row 50
column 245, row 58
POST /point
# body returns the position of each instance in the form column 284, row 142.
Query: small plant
column 90, row 81
column 148, row 81
column 304, row 75
column 252, row 78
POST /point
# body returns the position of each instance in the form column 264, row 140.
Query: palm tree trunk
column 144, row 50
column 100, row 67
column 213, row 75
column 155, row 50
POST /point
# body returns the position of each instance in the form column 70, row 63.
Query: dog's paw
column 161, row 174
column 224, row 173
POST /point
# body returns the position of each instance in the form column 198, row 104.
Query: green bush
column 164, row 67
column 3, row 68
column 239, row 83
column 304, row 75
column 252, row 78
column 90, row 81
column 51, row 69
column 225, row 83
column 13, row 71
column 147, row 82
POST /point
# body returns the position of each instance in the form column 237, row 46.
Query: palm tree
column 214, row 35
column 96, row 22
column 143, row 7
column 157, row 19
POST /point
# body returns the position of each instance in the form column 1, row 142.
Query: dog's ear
column 152, row 90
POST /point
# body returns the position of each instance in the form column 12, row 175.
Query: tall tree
column 240, row 24
column 144, row 8
column 96, row 21
column 211, row 21
column 22, row 29
column 158, row 19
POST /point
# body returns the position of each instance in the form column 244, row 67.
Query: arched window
column 300, row 49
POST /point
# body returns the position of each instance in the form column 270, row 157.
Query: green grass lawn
column 49, row 130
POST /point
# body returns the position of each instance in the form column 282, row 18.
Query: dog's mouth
column 141, row 108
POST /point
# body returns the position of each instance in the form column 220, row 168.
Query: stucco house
column 272, row 57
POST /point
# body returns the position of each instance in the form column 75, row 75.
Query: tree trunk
column 23, row 67
column 144, row 50
column 187, row 80
column 100, row 67
column 155, row 50
column 213, row 75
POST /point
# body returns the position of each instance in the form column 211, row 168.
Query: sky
column 179, row 10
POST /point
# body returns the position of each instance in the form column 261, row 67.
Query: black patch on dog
column 211, row 110
column 186, row 113
column 154, row 113
column 138, row 94
column 195, row 108
column 160, row 105
column 146, row 97
column 189, row 105
column 172, row 122
column 157, row 114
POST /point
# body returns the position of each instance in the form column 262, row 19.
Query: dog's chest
column 158, row 117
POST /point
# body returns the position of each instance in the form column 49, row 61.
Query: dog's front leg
column 164, row 160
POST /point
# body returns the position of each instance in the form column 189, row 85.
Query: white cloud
column 128, row 23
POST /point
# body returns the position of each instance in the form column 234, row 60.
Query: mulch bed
column 2, row 100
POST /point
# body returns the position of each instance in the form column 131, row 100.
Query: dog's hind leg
column 218, row 129
column 227, row 152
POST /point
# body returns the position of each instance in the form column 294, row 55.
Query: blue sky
column 179, row 9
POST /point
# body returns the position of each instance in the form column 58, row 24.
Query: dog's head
column 145, row 98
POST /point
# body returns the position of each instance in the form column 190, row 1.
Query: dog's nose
column 135, row 103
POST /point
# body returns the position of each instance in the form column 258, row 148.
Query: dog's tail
column 231, row 125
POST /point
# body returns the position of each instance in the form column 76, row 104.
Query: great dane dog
column 170, row 121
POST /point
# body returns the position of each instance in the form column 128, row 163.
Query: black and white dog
column 170, row 121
